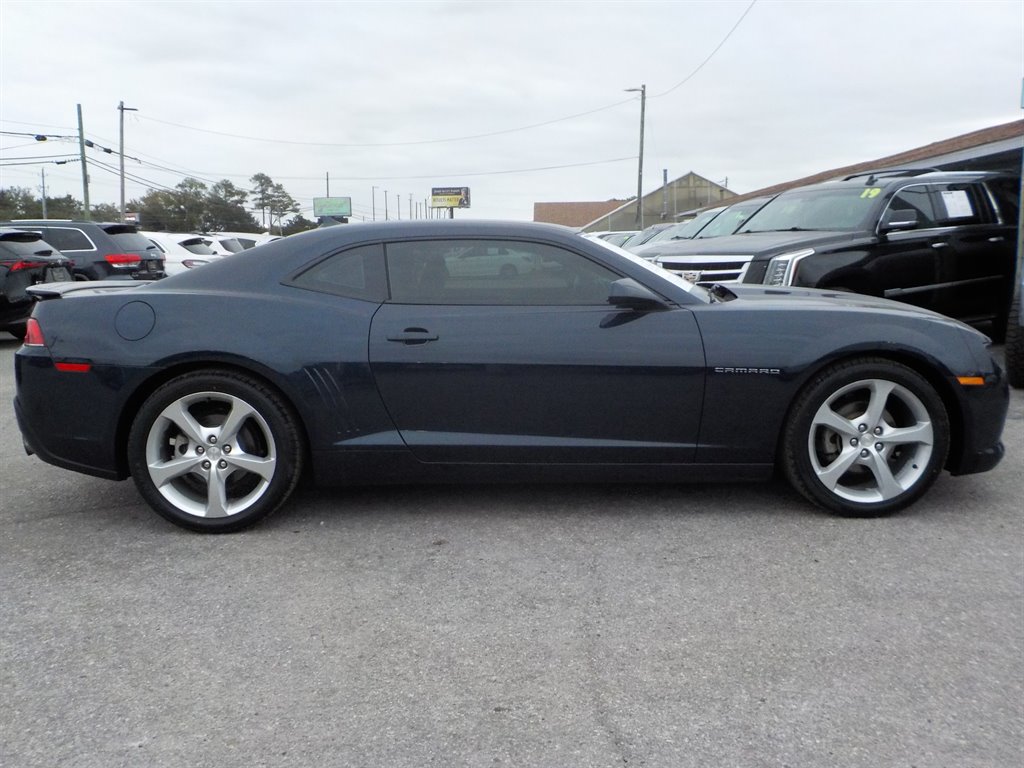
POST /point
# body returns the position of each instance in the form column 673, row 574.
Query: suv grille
column 707, row 269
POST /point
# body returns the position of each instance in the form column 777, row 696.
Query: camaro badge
column 763, row 371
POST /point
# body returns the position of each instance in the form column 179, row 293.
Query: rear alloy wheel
column 865, row 438
column 214, row 451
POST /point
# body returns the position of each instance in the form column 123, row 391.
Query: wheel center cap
column 213, row 452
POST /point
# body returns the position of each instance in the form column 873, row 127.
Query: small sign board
column 449, row 197
column 332, row 206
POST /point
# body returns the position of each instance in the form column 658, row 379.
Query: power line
column 393, row 143
column 138, row 179
column 709, row 56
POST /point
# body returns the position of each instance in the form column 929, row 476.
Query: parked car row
column 945, row 241
column 50, row 250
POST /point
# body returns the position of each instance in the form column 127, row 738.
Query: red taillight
column 123, row 259
column 34, row 334
column 16, row 266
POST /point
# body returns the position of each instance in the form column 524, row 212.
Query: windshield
column 814, row 208
column 687, row 229
column 731, row 219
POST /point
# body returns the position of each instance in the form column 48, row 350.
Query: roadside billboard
column 449, row 197
column 332, row 206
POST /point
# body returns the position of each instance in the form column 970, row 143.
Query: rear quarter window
column 357, row 273
column 131, row 241
column 68, row 239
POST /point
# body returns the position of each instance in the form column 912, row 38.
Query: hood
column 747, row 244
column 814, row 298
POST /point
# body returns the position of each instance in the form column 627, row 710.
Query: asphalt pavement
column 688, row 625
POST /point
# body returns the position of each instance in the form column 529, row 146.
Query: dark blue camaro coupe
column 449, row 351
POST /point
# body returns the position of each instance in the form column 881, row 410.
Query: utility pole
column 664, row 195
column 122, row 109
column 398, row 206
column 640, row 168
column 43, row 172
column 385, row 205
column 373, row 202
column 328, row 175
column 85, row 167
column 410, row 205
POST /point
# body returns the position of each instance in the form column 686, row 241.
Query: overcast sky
column 523, row 102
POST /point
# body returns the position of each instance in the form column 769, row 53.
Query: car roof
column 899, row 177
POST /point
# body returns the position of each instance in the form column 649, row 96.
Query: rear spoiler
column 44, row 291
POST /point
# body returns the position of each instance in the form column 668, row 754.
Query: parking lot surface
column 555, row 625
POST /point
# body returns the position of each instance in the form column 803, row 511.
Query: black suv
column 941, row 240
column 100, row 251
column 25, row 259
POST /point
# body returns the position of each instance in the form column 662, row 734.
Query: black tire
column 1014, row 349
column 214, row 451
column 865, row 438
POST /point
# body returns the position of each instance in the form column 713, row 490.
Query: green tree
column 19, row 203
column 225, row 209
column 182, row 209
column 262, row 188
column 297, row 224
column 105, row 212
column 281, row 204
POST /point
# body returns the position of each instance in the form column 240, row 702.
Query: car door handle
column 996, row 239
column 937, row 246
column 413, row 336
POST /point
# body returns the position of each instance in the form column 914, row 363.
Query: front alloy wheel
column 214, row 451
column 866, row 438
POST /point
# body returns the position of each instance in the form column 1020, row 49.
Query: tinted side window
column 958, row 204
column 494, row 272
column 67, row 239
column 1007, row 196
column 912, row 202
column 357, row 273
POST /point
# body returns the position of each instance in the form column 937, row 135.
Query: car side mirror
column 627, row 293
column 896, row 220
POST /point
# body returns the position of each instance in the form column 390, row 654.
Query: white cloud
column 799, row 87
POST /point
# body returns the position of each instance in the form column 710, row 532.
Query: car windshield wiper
column 782, row 229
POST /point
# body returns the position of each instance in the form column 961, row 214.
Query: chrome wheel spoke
column 216, row 494
column 888, row 486
column 178, row 414
column 264, row 467
column 833, row 473
column 880, row 391
column 240, row 412
column 826, row 417
column 164, row 472
column 918, row 433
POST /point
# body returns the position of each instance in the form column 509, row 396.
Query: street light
column 640, row 168
column 122, row 109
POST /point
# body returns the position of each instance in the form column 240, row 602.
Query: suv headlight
column 782, row 268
